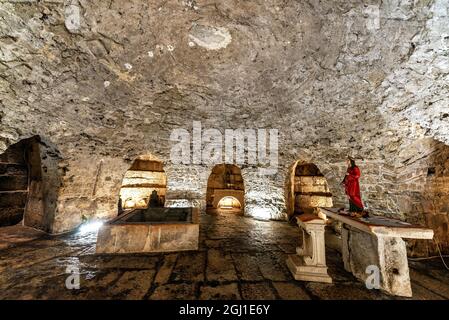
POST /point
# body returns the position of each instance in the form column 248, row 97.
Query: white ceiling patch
column 211, row 38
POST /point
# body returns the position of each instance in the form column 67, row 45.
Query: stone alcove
column 307, row 189
column 143, row 177
column 225, row 190
column 29, row 179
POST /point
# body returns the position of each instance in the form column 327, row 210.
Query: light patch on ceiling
column 72, row 18
column 211, row 38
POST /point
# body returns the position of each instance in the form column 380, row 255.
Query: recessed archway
column 225, row 190
column 144, row 185
column 307, row 189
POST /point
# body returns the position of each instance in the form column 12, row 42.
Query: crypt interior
column 91, row 93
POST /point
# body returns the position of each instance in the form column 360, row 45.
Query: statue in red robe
column 352, row 187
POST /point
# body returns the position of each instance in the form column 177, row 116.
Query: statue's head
column 350, row 161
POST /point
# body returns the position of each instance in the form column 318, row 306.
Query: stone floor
column 239, row 258
column 14, row 235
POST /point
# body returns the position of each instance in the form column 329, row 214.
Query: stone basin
column 150, row 230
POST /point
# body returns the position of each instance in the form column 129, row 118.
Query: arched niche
column 225, row 190
column 28, row 192
column 307, row 189
column 144, row 185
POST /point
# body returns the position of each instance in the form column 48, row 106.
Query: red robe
column 352, row 187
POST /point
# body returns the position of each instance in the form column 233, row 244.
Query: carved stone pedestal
column 309, row 264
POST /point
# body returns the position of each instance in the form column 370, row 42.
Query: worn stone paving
column 239, row 258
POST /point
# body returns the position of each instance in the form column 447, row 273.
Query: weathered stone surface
column 119, row 261
column 273, row 267
column 362, row 251
column 308, row 184
column 190, row 267
column 342, row 291
column 247, row 267
column 257, row 291
column 424, row 294
column 13, row 235
column 37, row 269
column 221, row 292
column 124, row 235
column 163, row 274
column 423, row 194
column 174, row 292
column 220, row 266
column 290, row 291
column 430, row 282
column 133, row 285
column 313, row 201
column 147, row 238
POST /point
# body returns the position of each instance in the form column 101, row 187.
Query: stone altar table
column 377, row 241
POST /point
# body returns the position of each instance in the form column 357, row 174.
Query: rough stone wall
column 44, row 184
column 423, row 192
column 89, row 187
column 109, row 81
column 414, row 96
column 264, row 194
column 186, row 185
column 377, row 186
column 309, row 188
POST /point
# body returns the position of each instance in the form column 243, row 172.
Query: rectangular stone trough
column 151, row 230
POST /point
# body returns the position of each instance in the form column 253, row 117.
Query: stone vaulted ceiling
column 322, row 72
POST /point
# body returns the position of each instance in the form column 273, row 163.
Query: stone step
column 13, row 169
column 307, row 184
column 145, row 185
column 140, row 177
column 10, row 216
column 220, row 184
column 145, row 165
column 11, row 183
column 13, row 199
column 311, row 189
column 313, row 200
column 14, row 154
